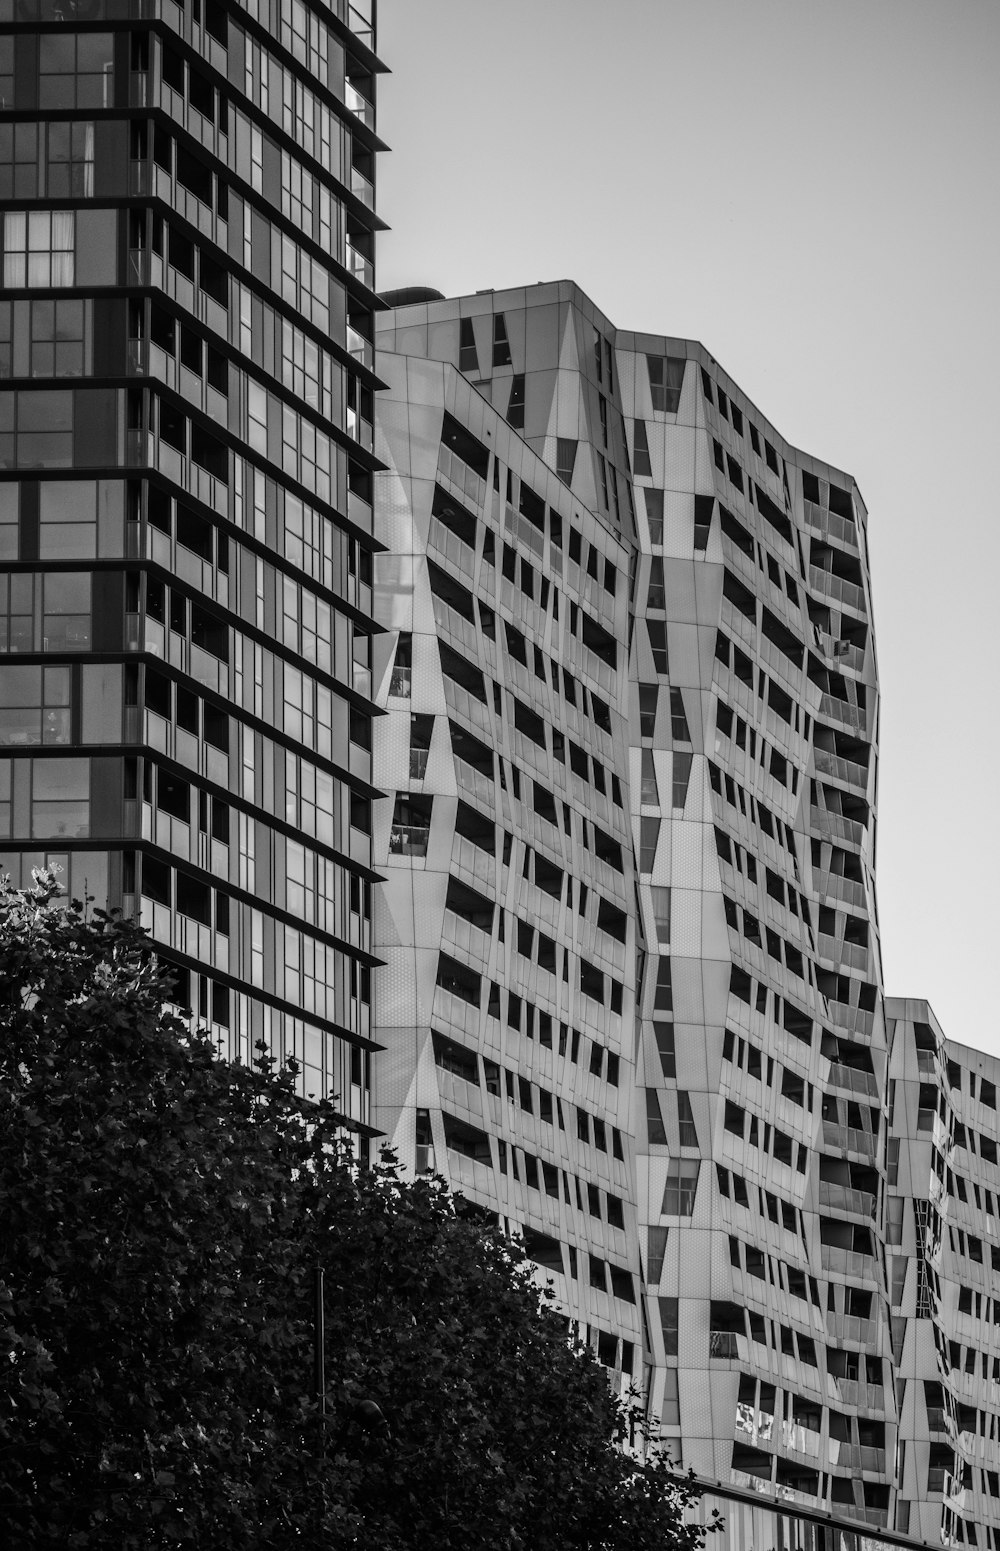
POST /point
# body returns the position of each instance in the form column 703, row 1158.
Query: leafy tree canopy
column 163, row 1216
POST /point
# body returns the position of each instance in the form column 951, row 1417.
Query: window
column 681, row 1187
column 666, row 374
column 668, row 1324
column 648, row 792
column 515, row 404
column 501, row 345
column 34, row 705
column 649, row 834
column 655, row 1129
column 67, row 519
column 681, row 778
column 58, row 335
column 468, row 359
column 648, row 694
column 565, row 460
column 661, row 914
column 656, row 597
column 654, row 514
column 60, row 798
column 657, row 1250
column 687, row 1130
column 657, row 631
column 39, row 248
column 74, row 70
column 679, row 730
column 641, row 466
column 664, row 1033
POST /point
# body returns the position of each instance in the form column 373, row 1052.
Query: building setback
column 185, row 496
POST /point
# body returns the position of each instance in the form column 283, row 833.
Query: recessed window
column 565, row 460
column 666, row 376
column 515, row 404
column 681, row 1187
column 642, row 467
column 501, row 344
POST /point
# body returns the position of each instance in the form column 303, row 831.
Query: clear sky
column 810, row 188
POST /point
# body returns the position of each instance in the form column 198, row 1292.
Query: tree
column 164, row 1213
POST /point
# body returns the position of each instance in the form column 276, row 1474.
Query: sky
column 809, row 188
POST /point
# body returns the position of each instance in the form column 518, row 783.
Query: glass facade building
column 186, row 464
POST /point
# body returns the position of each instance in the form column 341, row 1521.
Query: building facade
column 943, row 1244
column 506, row 1003
column 759, row 1044
column 185, row 496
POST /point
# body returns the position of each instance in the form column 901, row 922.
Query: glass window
column 661, row 914
column 648, row 792
column 668, row 1323
column 58, row 330
column 666, row 374
column 39, row 248
column 66, row 612
column 57, row 70
column 681, row 779
column 665, row 1046
column 681, row 1186
column 70, row 160
column 654, row 514
column 60, row 797
column 642, row 468
column 656, row 597
column 565, row 458
column 9, row 492
column 649, row 834
column 45, row 429
column 34, row 705
column 67, row 519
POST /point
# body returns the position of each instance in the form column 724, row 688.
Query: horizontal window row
column 729, row 411
column 466, row 983
column 770, row 759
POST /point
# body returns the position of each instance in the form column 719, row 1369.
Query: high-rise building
column 758, row 1040
column 185, row 495
column 943, row 1244
column 506, row 1004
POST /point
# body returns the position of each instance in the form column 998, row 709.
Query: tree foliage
column 163, row 1216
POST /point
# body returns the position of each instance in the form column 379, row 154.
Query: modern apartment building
column 943, row 1243
column 758, row 1039
column 185, row 495
column 506, row 1006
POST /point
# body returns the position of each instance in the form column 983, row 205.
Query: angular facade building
column 758, row 1041
column 943, row 1243
column 506, row 1003
column 185, row 496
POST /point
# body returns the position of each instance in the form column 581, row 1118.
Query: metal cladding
column 748, row 1034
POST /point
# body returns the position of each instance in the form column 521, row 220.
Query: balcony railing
column 408, row 840
column 838, row 588
column 849, row 1139
column 842, row 769
column 844, row 1198
column 359, row 106
column 830, row 525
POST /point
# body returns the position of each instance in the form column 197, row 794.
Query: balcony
column 362, row 188
column 360, row 267
column 844, row 1198
column 853, row 1079
column 361, row 26
column 849, row 594
column 838, row 1138
column 830, row 525
column 832, row 708
column 851, row 1263
column 408, row 840
column 835, row 826
column 842, row 769
column 359, row 105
